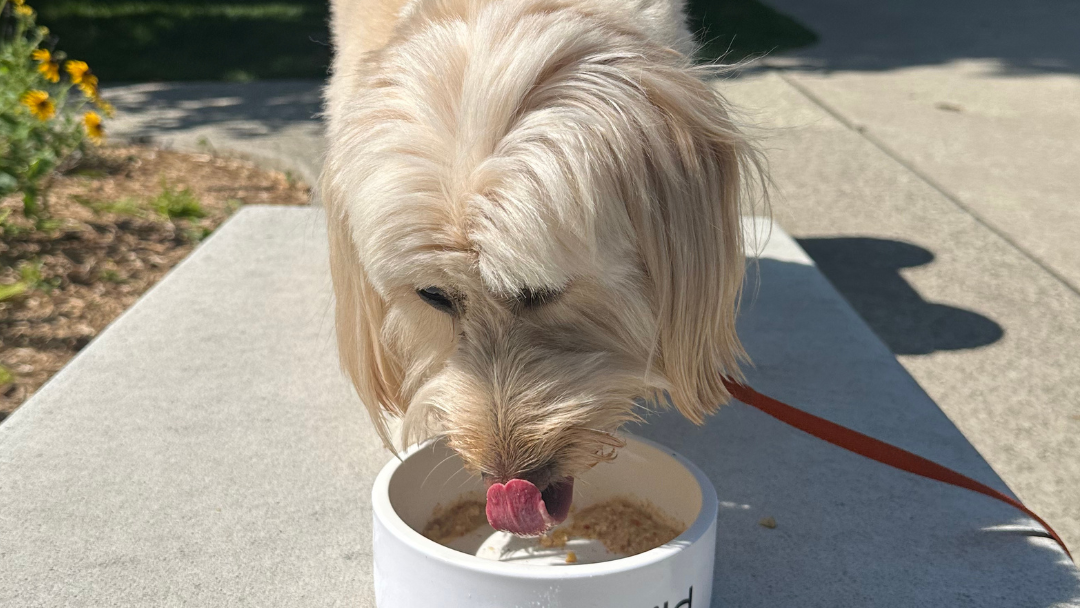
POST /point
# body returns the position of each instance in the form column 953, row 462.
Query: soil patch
column 120, row 220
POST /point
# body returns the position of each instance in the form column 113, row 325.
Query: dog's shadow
column 866, row 272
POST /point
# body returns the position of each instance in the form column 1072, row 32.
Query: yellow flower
column 94, row 130
column 48, row 68
column 23, row 10
column 77, row 70
column 105, row 106
column 88, row 85
column 39, row 103
column 82, row 78
column 18, row 2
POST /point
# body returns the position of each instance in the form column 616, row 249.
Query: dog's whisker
column 465, row 481
column 458, row 472
column 436, row 467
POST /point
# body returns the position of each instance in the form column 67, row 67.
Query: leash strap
column 864, row 445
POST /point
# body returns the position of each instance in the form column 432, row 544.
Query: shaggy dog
column 534, row 222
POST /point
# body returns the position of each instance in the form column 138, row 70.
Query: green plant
column 32, row 277
column 196, row 234
column 111, row 276
column 6, row 228
column 124, row 206
column 92, row 173
column 6, row 377
column 10, row 291
column 177, row 205
column 40, row 121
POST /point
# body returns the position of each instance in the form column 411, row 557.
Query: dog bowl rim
column 384, row 511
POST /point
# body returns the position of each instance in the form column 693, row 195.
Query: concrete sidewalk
column 980, row 98
column 926, row 157
column 275, row 123
column 206, row 450
column 988, row 332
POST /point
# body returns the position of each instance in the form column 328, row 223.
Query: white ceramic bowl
column 414, row 572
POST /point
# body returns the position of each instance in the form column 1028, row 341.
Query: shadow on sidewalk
column 243, row 110
column 866, row 272
column 1022, row 38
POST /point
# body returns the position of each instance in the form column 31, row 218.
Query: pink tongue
column 518, row 508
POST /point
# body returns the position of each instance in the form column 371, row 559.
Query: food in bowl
column 624, row 526
column 451, row 522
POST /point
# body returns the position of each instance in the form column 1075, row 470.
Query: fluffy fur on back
column 563, row 175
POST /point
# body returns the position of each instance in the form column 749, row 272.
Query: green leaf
column 8, row 184
column 10, row 291
column 177, row 205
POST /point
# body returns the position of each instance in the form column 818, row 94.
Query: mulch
column 111, row 239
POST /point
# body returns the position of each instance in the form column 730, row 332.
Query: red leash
column 864, row 445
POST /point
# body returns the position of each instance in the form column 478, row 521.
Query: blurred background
column 244, row 40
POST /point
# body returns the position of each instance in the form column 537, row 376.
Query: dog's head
column 534, row 223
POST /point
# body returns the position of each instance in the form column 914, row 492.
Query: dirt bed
column 120, row 220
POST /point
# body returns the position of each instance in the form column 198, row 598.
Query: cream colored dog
column 534, row 215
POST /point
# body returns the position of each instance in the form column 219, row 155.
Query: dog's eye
column 535, row 298
column 437, row 299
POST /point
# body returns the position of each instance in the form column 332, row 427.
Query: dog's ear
column 692, row 239
column 359, row 315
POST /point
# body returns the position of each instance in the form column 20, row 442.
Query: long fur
column 569, row 147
